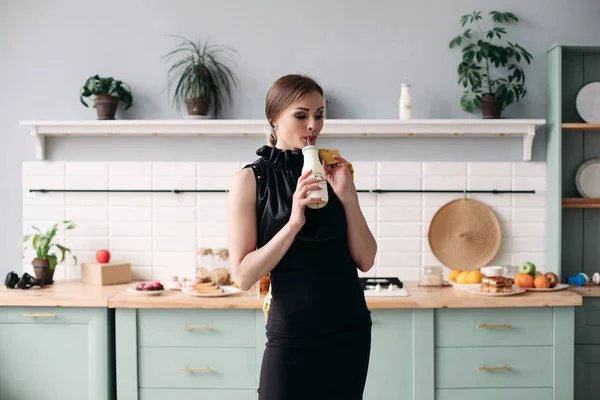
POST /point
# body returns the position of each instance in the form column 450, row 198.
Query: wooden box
column 106, row 274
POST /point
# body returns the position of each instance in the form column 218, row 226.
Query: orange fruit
column 541, row 282
column 524, row 280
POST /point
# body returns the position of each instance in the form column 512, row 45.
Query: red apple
column 103, row 256
column 553, row 278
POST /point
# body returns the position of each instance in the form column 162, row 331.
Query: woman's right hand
column 299, row 201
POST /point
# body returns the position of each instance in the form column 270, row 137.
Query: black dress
column 319, row 327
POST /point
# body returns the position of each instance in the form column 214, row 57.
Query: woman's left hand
column 340, row 178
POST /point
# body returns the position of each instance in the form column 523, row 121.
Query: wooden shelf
column 577, row 202
column 524, row 129
column 581, row 127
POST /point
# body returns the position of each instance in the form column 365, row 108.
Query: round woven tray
column 464, row 234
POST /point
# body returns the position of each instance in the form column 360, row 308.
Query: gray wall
column 360, row 51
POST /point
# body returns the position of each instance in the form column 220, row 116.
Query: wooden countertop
column 78, row 294
column 61, row 294
column 586, row 291
column 418, row 297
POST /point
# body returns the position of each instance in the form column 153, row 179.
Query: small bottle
column 405, row 102
column 312, row 162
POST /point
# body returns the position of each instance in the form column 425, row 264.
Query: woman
column 319, row 327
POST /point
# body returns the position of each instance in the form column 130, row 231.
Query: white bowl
column 492, row 271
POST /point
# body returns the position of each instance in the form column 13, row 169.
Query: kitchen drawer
column 196, row 328
column 201, row 368
column 494, row 394
column 458, row 367
column 493, row 327
column 197, row 394
column 587, row 321
column 46, row 315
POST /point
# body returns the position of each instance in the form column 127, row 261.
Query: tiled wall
column 159, row 232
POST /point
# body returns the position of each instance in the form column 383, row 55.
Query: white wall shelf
column 524, row 128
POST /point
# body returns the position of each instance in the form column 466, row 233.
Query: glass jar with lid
column 220, row 272
column 432, row 276
column 203, row 265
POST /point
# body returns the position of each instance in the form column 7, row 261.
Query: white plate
column 227, row 291
column 588, row 102
column 515, row 290
column 559, row 286
column 587, row 178
column 147, row 292
column 465, row 286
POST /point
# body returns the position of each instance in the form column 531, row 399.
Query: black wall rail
column 493, row 191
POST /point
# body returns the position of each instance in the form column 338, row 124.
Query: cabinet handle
column 196, row 369
column 494, row 369
column 196, row 328
column 40, row 315
column 494, row 326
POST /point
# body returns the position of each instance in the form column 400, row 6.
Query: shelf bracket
column 40, row 143
column 528, row 143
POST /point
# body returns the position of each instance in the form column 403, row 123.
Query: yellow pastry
column 327, row 155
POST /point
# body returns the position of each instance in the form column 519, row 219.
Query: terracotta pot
column 491, row 107
column 42, row 271
column 196, row 106
column 106, row 107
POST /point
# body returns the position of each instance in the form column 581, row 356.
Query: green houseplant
column 200, row 77
column 490, row 71
column 46, row 250
column 106, row 92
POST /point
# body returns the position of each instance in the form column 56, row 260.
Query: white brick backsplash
column 444, row 169
column 399, row 182
column 492, row 169
column 174, row 169
column 529, row 169
column 399, row 199
column 399, row 168
column 129, row 169
column 158, row 233
column 398, row 229
column 130, row 244
column 43, row 168
column 175, row 214
column 44, row 213
column 87, row 168
column 485, row 183
column 211, row 169
column 123, row 182
column 139, row 228
column 444, row 183
column 43, row 182
column 175, row 243
column 176, row 229
column 130, row 213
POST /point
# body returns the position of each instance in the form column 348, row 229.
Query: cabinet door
column 587, row 321
column 390, row 373
column 587, row 371
column 55, row 354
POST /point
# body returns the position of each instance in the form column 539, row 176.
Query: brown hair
column 284, row 92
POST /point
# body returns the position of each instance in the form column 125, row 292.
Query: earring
column 275, row 129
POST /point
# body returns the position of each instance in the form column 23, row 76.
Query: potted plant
column 484, row 60
column 200, row 77
column 46, row 249
column 106, row 92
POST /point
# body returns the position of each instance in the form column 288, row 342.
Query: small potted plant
column 106, row 93
column 200, row 77
column 484, row 60
column 46, row 249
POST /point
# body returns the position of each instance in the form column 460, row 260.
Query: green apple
column 527, row 268
column 537, row 273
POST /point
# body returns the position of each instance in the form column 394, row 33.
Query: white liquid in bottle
column 405, row 102
column 311, row 161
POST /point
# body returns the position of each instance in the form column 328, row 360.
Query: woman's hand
column 340, row 178
column 299, row 201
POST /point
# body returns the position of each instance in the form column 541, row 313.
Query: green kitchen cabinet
column 56, row 353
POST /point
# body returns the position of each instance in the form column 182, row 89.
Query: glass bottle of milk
column 311, row 161
column 405, row 102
